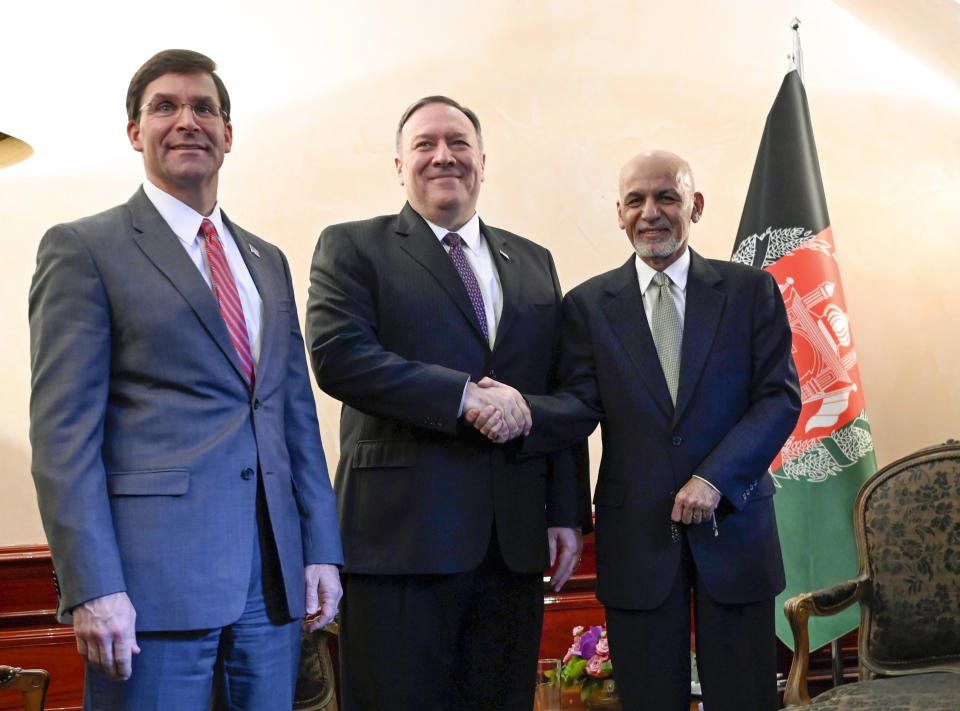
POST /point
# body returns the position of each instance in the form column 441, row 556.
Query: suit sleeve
column 70, row 346
column 568, row 498
column 747, row 450
column 348, row 359
column 315, row 498
column 573, row 411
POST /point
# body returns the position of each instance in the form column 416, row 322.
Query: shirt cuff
column 708, row 484
column 463, row 397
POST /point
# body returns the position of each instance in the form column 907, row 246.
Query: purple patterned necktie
column 453, row 241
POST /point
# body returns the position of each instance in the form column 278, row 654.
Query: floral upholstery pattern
column 912, row 534
column 917, row 692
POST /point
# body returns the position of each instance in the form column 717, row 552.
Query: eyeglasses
column 202, row 111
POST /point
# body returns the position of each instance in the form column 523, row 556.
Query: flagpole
column 797, row 57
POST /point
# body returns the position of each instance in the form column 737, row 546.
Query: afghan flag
column 785, row 230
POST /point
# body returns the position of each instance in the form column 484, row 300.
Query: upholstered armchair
column 907, row 524
column 317, row 678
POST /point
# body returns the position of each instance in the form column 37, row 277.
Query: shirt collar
column 678, row 271
column 183, row 220
column 469, row 233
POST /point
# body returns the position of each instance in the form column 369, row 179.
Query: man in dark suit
column 445, row 535
column 694, row 384
column 176, row 452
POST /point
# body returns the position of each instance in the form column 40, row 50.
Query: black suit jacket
column 738, row 400
column 392, row 334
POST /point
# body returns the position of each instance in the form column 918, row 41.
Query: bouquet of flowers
column 587, row 662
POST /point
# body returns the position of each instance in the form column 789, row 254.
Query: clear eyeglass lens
column 168, row 109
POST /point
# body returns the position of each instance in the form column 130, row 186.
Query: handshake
column 497, row 410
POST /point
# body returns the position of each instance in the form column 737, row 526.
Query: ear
column 483, row 165
column 399, row 167
column 133, row 133
column 227, row 137
column 620, row 217
column 697, row 207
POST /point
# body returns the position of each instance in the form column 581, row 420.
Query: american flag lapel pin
column 254, row 251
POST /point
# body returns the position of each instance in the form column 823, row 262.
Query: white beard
column 657, row 250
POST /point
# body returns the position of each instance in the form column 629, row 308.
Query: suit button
column 256, row 404
column 247, row 473
column 677, row 441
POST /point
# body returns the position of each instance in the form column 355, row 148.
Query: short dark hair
column 173, row 61
column 438, row 99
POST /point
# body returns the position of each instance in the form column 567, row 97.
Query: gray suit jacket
column 146, row 438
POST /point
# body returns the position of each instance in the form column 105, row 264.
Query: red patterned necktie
column 228, row 298
column 453, row 241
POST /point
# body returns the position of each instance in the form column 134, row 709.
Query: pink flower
column 571, row 653
column 595, row 667
column 578, row 630
column 603, row 650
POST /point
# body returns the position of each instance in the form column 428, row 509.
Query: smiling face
column 440, row 164
column 657, row 204
column 181, row 154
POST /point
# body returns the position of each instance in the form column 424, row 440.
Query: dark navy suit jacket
column 738, row 400
column 393, row 335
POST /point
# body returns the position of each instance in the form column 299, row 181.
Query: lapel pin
column 504, row 255
column 255, row 251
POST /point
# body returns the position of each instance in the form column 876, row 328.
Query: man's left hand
column 566, row 545
column 695, row 502
column 323, row 593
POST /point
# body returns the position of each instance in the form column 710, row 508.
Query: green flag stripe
column 815, row 515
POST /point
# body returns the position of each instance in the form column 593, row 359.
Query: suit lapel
column 419, row 241
column 509, row 270
column 162, row 247
column 704, row 307
column 624, row 311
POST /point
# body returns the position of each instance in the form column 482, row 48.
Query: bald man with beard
column 694, row 385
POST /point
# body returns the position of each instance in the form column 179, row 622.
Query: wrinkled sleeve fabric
column 70, row 347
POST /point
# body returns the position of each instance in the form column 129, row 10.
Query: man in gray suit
column 176, row 452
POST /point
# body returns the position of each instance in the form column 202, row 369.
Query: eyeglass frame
column 220, row 112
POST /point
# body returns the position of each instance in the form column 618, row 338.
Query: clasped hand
column 496, row 410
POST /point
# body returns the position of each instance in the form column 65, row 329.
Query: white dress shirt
column 477, row 252
column 185, row 222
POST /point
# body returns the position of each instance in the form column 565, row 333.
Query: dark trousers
column 441, row 642
column 736, row 651
column 250, row 665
